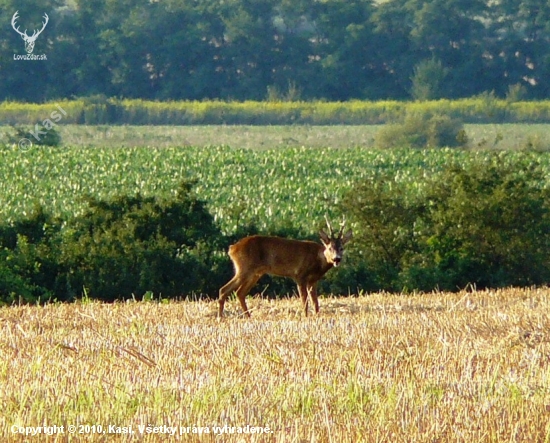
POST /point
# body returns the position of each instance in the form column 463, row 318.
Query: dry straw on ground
column 426, row 368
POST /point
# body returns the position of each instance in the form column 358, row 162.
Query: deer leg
column 242, row 285
column 231, row 286
column 235, row 284
column 313, row 293
column 302, row 290
column 244, row 289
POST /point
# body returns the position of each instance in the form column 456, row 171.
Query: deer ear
column 347, row 237
column 324, row 237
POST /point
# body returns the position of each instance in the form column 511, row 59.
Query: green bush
column 28, row 268
column 385, row 214
column 487, row 224
column 131, row 245
column 17, row 269
column 421, row 130
column 39, row 135
column 116, row 249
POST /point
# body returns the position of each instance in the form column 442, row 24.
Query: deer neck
column 325, row 265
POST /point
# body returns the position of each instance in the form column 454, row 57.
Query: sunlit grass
column 381, row 367
column 236, row 136
column 488, row 136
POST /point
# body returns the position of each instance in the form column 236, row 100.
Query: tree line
column 277, row 49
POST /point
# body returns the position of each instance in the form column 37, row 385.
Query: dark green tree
column 518, row 41
column 346, row 47
column 392, row 23
column 427, row 81
column 247, row 49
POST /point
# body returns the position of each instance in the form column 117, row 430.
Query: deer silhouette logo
column 29, row 40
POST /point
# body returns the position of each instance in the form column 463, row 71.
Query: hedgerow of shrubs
column 131, row 245
column 121, row 248
column 423, row 130
column 99, row 109
column 486, row 225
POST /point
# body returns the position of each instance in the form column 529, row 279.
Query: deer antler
column 13, row 20
column 35, row 33
column 43, row 25
column 329, row 226
column 342, row 226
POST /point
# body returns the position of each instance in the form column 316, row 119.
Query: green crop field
column 298, row 176
column 296, row 185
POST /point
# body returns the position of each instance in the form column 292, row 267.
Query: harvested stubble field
column 468, row 367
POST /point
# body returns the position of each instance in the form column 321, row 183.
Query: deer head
column 29, row 40
column 334, row 244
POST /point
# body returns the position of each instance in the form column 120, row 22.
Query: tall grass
column 487, row 136
column 437, row 367
column 101, row 110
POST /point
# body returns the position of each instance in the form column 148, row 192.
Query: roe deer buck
column 303, row 261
